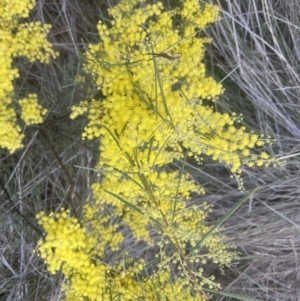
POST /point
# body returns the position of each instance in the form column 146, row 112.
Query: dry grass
column 257, row 45
column 256, row 52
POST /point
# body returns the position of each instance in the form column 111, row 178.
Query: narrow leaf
column 232, row 295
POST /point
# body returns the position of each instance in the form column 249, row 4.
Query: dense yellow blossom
column 10, row 133
column 27, row 40
column 149, row 67
column 10, row 10
column 32, row 112
column 156, row 108
column 70, row 248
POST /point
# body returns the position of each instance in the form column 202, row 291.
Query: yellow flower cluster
column 28, row 40
column 32, row 112
column 149, row 67
column 69, row 247
column 158, row 202
column 155, row 109
column 11, row 10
